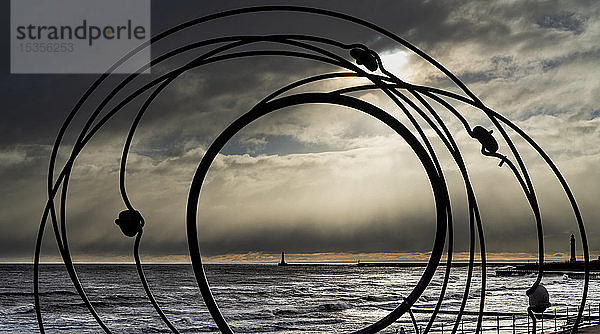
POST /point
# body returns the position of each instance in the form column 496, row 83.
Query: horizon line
column 322, row 257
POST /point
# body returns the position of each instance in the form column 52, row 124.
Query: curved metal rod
column 154, row 39
column 441, row 197
column 67, row 169
column 453, row 149
column 130, row 207
column 385, row 87
column 561, row 180
column 393, row 97
column 124, row 196
column 457, row 159
column 475, row 100
column 301, row 44
column 166, row 80
column 528, row 189
column 392, row 94
column 473, row 211
column 180, row 50
column 253, row 40
column 523, row 180
column 416, row 124
column 61, row 178
column 140, row 270
column 414, row 321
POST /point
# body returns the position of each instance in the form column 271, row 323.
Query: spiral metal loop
column 356, row 61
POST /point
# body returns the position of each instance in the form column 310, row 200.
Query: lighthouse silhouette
column 282, row 263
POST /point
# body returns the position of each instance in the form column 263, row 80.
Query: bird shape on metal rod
column 488, row 142
column 364, row 57
column 130, row 222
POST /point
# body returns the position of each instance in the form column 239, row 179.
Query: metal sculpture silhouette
column 368, row 62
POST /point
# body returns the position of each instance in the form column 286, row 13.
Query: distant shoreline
column 358, row 264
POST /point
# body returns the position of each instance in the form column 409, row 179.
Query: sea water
column 260, row 298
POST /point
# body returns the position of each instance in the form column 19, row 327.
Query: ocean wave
column 21, row 309
column 289, row 312
column 425, row 298
column 325, row 307
column 333, row 307
column 111, row 301
column 123, row 298
column 42, row 293
column 291, row 303
column 387, row 306
column 372, row 298
column 258, row 314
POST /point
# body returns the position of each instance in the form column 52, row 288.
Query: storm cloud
column 319, row 179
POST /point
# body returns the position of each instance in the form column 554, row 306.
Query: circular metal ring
column 440, row 193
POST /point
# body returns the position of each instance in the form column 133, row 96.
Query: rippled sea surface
column 258, row 298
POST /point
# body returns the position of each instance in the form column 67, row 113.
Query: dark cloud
column 317, row 178
column 563, row 21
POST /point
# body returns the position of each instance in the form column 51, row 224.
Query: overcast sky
column 318, row 179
